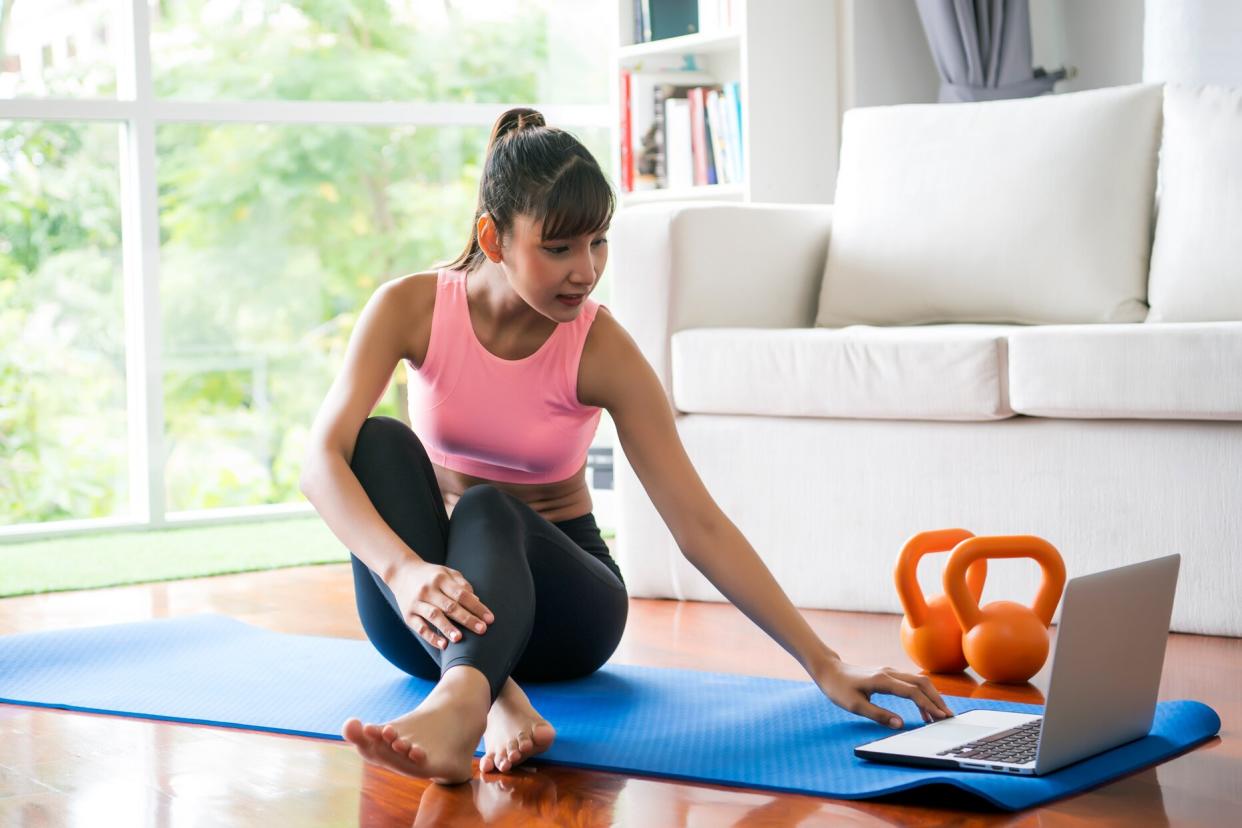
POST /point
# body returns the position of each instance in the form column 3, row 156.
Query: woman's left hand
column 850, row 687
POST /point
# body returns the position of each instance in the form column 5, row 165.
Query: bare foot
column 435, row 740
column 515, row 731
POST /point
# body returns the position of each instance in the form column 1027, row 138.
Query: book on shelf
column 679, row 163
column 716, row 137
column 704, row 172
column 627, row 145
column 660, row 19
column 733, row 129
column 679, row 129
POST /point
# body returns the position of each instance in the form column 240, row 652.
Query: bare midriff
column 556, row 502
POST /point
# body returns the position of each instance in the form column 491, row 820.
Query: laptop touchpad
column 949, row 732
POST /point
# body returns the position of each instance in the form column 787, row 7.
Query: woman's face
column 547, row 273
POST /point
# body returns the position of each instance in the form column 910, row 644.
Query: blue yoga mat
column 752, row 732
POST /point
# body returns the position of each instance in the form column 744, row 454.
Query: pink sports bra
column 509, row 420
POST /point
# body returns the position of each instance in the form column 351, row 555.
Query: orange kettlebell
column 1005, row 641
column 929, row 631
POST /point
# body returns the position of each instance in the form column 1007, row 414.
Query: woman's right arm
column 430, row 596
column 375, row 348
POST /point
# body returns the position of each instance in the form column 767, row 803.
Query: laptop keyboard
column 1016, row 745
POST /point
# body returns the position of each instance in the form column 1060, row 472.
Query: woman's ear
column 489, row 241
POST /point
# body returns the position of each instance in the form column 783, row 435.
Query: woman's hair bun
column 515, row 120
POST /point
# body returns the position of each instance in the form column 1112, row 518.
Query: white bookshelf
column 783, row 55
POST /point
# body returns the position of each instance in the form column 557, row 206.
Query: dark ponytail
column 543, row 173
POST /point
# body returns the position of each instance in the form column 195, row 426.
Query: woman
column 477, row 561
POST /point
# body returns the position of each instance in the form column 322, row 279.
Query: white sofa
column 999, row 325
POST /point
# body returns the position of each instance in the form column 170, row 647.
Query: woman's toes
column 485, row 763
column 401, row 744
column 352, row 731
column 543, row 734
column 389, row 733
column 371, row 731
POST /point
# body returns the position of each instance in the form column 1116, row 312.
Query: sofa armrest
column 684, row 265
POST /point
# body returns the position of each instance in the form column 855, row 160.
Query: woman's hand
column 851, row 687
column 429, row 595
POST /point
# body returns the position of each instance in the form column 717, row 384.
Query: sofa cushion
column 1034, row 210
column 1196, row 258
column 1175, row 371
column 933, row 372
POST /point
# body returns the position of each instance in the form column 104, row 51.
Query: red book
column 698, row 133
column 627, row 147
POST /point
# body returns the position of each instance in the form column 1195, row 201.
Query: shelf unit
column 783, row 55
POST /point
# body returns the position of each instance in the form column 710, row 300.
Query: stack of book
column 658, row 19
column 679, row 129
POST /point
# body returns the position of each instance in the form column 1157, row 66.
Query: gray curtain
column 983, row 49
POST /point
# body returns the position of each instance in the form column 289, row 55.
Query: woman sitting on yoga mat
column 476, row 557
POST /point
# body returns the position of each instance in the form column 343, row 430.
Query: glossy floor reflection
column 59, row 768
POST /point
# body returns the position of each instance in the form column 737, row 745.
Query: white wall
column 1193, row 41
column 1103, row 38
column 891, row 62
column 886, row 59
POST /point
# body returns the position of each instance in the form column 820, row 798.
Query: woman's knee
column 377, row 433
column 485, row 500
column 488, row 519
column 382, row 438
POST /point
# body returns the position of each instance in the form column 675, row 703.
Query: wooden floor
column 59, row 768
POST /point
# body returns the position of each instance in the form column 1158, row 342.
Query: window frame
column 137, row 113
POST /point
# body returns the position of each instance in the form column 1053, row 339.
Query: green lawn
column 116, row 558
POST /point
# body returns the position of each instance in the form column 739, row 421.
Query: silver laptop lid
column 1107, row 661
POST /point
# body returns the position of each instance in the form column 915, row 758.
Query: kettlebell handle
column 906, row 573
column 966, row 606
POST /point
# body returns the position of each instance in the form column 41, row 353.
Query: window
column 183, row 253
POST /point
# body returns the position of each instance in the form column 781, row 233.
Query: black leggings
column 558, row 598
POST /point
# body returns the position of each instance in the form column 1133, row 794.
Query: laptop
column 1106, row 668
